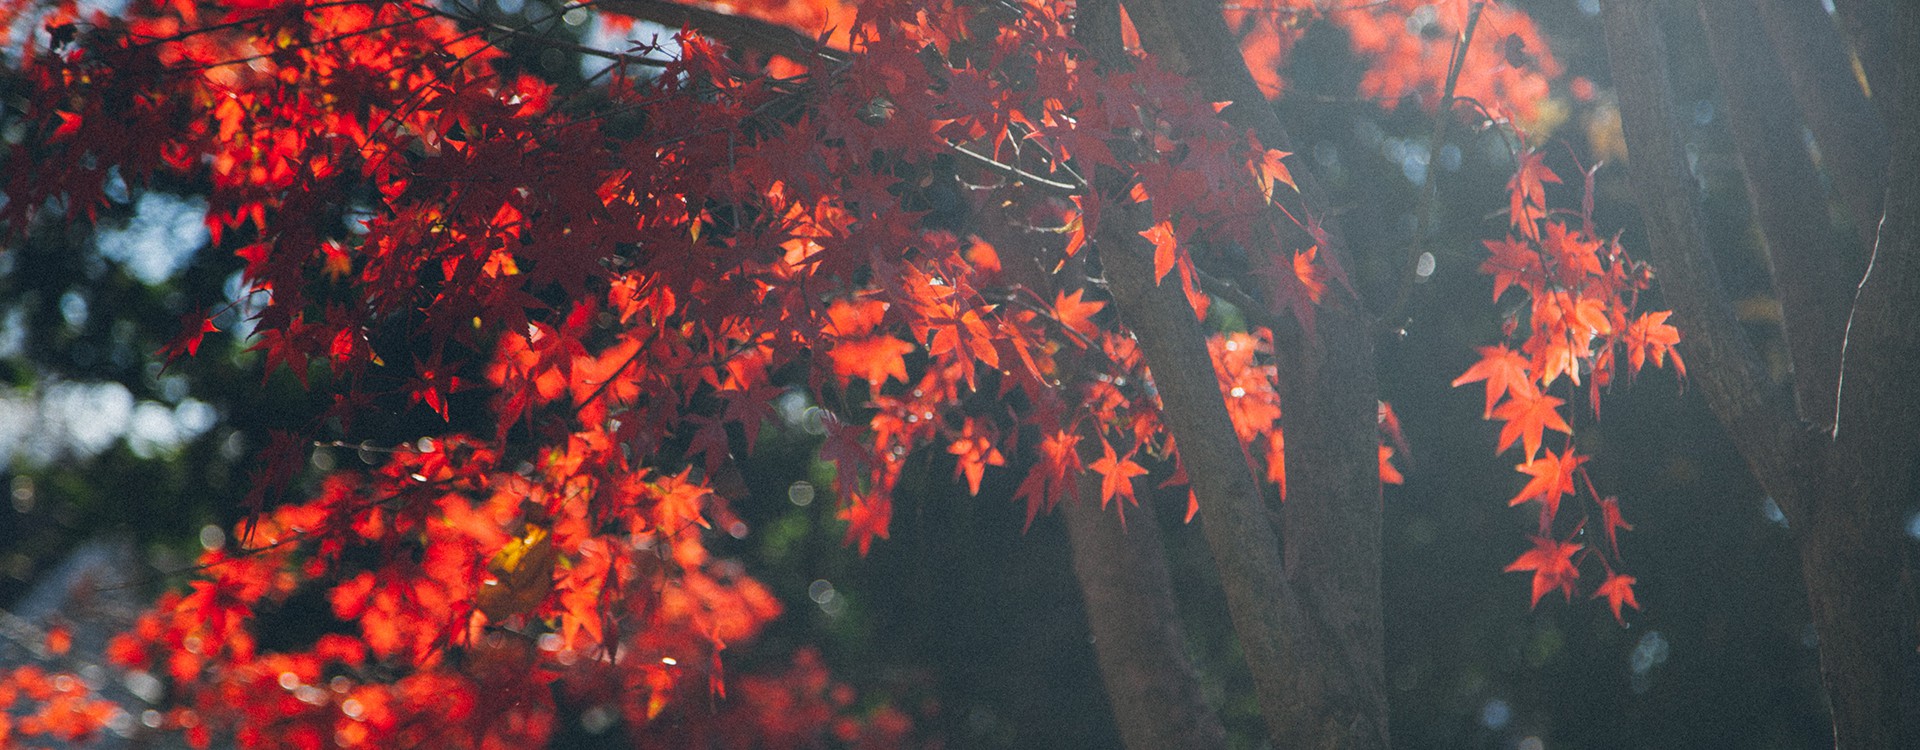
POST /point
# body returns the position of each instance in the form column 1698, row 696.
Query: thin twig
column 1429, row 191
column 1009, row 170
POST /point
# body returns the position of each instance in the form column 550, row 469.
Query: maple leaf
column 976, row 453
column 1270, row 168
column 1552, row 564
column 1277, row 460
column 1552, row 479
column 874, row 358
column 1164, row 247
column 1618, row 589
column 1116, row 474
column 1050, row 479
column 1388, row 474
column 852, row 319
column 1612, row 522
column 1527, row 418
column 1527, row 191
column 1505, row 372
column 679, row 501
column 194, row 327
column 1651, row 337
column 867, row 517
column 1076, row 314
column 521, row 575
column 1511, row 263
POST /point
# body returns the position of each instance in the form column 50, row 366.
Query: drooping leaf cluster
column 1575, row 318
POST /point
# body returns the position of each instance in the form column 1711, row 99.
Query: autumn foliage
column 617, row 282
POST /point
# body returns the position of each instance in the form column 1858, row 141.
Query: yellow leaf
column 522, row 575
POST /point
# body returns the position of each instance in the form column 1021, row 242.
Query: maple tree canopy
column 893, row 212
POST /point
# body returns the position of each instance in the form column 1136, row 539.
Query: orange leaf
column 1552, row 479
column 1618, row 589
column 1116, row 474
column 874, row 358
column 1527, row 418
column 1552, row 564
column 866, row 517
column 1612, row 522
column 1388, row 474
column 1164, row 244
column 1650, row 337
column 1270, row 168
column 1504, row 371
column 1076, row 314
column 1527, row 191
column 976, row 453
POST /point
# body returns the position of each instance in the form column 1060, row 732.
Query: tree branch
column 1265, row 609
column 736, row 31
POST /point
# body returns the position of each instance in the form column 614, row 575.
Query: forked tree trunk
column 1310, row 629
column 1846, row 478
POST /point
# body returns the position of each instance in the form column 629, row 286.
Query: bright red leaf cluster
column 1578, row 294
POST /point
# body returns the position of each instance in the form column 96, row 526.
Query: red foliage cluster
column 1580, row 293
column 1407, row 46
column 635, row 280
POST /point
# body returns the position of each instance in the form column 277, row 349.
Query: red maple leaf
column 1527, row 191
column 1270, row 168
column 1612, row 522
column 1505, row 372
column 1618, row 589
column 976, row 453
column 874, row 358
column 1076, row 314
column 1651, row 337
column 1164, row 248
column 1552, row 479
column 1552, row 564
column 1388, row 474
column 1116, row 474
column 194, row 327
column 867, row 517
column 1512, row 262
column 1527, row 418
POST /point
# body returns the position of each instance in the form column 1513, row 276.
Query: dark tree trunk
column 1317, row 686
column 1151, row 684
column 1322, row 679
column 1846, row 485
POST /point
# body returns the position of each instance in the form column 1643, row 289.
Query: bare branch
column 735, row 31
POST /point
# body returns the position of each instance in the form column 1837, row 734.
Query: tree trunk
column 1846, row 491
column 1151, row 684
column 1329, row 672
column 1152, row 687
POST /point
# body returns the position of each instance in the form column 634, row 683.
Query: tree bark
column 1852, row 139
column 1332, row 670
column 1809, row 262
column 1845, row 492
column 1152, row 686
column 1315, row 689
column 1868, row 26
